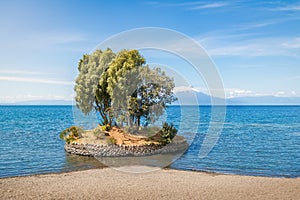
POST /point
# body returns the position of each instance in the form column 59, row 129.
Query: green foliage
column 70, row 134
column 125, row 61
column 167, row 133
column 105, row 127
column 122, row 88
column 111, row 140
column 141, row 92
column 154, row 92
column 90, row 87
column 98, row 132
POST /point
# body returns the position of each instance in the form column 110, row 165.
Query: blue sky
column 254, row 44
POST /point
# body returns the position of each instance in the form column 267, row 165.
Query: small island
column 129, row 98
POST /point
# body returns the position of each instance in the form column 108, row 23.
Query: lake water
column 255, row 140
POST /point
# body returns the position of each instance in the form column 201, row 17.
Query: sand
column 161, row 184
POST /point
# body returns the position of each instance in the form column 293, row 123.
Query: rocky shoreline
column 178, row 145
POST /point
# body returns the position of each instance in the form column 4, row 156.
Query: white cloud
column 290, row 78
column 185, row 89
column 237, row 92
column 280, row 94
column 40, row 40
column 34, row 80
column 259, row 24
column 20, row 72
column 293, row 44
column 295, row 7
column 29, row 97
column 265, row 46
column 286, row 94
column 198, row 5
column 240, row 40
column 264, row 23
column 229, row 92
column 209, row 5
column 249, row 66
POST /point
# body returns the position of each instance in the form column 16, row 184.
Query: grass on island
column 116, row 136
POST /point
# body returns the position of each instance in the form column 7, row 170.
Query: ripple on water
column 256, row 140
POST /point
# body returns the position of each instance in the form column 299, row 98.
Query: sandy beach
column 161, row 184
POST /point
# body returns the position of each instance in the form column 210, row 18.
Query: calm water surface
column 256, row 140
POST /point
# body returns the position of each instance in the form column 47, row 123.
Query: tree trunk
column 102, row 113
column 138, row 121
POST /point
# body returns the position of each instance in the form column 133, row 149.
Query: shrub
column 111, row 140
column 167, row 133
column 71, row 134
column 98, row 132
column 105, row 127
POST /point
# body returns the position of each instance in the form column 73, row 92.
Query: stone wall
column 179, row 144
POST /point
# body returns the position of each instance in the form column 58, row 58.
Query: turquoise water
column 256, row 140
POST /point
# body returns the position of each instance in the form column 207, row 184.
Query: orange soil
column 123, row 138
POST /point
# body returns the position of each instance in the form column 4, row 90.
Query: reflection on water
column 159, row 160
column 80, row 162
column 128, row 164
column 142, row 164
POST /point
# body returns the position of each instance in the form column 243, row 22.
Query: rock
column 179, row 144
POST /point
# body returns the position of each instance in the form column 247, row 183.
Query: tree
column 90, row 84
column 125, row 61
column 122, row 82
column 138, row 91
column 143, row 93
column 154, row 92
column 122, row 88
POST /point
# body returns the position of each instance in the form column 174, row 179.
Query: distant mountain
column 42, row 102
column 264, row 100
column 192, row 97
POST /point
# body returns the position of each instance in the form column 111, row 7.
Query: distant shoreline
column 189, row 98
column 161, row 184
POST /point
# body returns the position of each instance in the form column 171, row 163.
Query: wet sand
column 161, row 184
